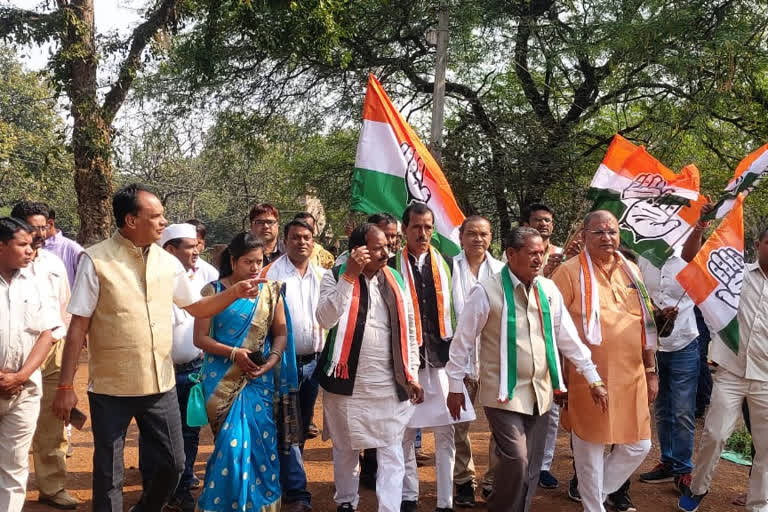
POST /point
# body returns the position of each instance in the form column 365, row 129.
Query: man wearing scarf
column 368, row 367
column 473, row 264
column 427, row 277
column 523, row 327
column 611, row 309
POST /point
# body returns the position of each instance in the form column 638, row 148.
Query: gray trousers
column 520, row 440
column 159, row 422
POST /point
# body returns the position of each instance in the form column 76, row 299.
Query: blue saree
column 243, row 472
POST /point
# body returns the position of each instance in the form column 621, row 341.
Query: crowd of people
column 401, row 338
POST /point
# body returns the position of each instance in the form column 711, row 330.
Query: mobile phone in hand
column 258, row 358
column 77, row 418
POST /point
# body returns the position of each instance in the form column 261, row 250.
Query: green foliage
column 740, row 442
column 35, row 162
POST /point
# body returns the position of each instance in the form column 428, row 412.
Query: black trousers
column 159, row 422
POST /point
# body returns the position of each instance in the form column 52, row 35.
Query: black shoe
column 409, row 506
column 485, row 492
column 661, row 473
column 184, row 503
column 312, row 431
column 465, row 495
column 443, row 509
column 345, row 507
column 620, row 502
column 547, row 480
column 573, row 490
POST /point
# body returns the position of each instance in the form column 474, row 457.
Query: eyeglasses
column 600, row 232
column 265, row 222
column 39, row 229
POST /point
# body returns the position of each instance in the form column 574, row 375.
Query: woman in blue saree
column 246, row 378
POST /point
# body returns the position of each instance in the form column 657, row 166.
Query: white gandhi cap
column 178, row 231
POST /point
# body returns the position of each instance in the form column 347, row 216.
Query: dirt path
column 729, row 479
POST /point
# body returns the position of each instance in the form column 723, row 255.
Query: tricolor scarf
column 508, row 350
column 342, row 334
column 441, row 276
column 590, row 302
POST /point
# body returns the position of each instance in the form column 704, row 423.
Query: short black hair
column 305, row 215
column 51, row 213
column 473, row 218
column 126, row 201
column 199, row 226
column 359, row 235
column 9, row 226
column 418, row 208
column 378, row 218
column 25, row 209
column 516, row 237
column 243, row 243
column 525, row 215
column 294, row 223
column 763, row 234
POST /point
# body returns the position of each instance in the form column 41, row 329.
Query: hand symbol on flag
column 414, row 175
column 727, row 266
column 650, row 214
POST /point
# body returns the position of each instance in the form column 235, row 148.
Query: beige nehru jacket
column 130, row 333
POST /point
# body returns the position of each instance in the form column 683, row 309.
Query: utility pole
column 438, row 94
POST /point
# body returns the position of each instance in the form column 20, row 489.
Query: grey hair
column 516, row 237
column 597, row 213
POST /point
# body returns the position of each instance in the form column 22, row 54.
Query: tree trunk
column 91, row 137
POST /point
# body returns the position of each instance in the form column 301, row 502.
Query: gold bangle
column 650, row 369
column 596, row 384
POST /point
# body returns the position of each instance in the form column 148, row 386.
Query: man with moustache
column 50, row 444
column 265, row 225
column 427, row 276
column 472, row 265
column 608, row 303
column 320, row 257
column 124, row 289
column 523, row 325
column 301, row 289
column 368, row 368
column 29, row 314
column 541, row 218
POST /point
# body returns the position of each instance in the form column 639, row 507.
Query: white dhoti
column 433, row 414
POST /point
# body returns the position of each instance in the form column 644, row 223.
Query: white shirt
column 665, row 292
column 302, row 294
column 26, row 310
column 50, row 270
column 474, row 317
column 184, row 349
column 85, row 292
column 205, row 272
column 752, row 360
column 462, row 282
column 375, row 373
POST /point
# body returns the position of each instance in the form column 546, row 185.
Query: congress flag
column 746, row 177
column 393, row 168
column 656, row 207
column 714, row 278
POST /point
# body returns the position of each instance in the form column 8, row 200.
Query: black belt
column 306, row 358
column 187, row 367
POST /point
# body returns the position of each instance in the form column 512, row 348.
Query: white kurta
column 372, row 416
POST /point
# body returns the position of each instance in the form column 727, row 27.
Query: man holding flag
column 733, row 299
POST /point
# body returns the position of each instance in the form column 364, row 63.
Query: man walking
column 523, row 325
column 50, row 444
column 29, row 315
column 368, row 368
column 124, row 289
column 472, row 265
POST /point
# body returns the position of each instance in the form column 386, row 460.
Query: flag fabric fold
column 713, row 279
column 748, row 174
column 393, row 168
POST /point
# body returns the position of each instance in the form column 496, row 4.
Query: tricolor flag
column 656, row 207
column 393, row 168
column 747, row 176
column 713, row 279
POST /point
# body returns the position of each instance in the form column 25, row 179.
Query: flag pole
column 675, row 306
